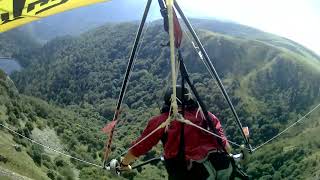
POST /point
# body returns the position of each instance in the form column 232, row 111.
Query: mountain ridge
column 270, row 85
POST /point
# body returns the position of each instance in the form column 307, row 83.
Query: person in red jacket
column 189, row 152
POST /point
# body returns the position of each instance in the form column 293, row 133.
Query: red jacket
column 197, row 143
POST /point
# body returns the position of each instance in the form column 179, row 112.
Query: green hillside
column 73, row 131
column 16, row 41
column 272, row 82
column 246, row 32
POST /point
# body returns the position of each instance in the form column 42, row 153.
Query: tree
column 13, row 119
column 36, row 153
column 29, row 126
column 3, row 75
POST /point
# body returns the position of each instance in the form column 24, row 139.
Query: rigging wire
column 188, row 122
column 197, row 50
column 212, row 68
column 134, row 62
column 125, row 80
column 147, row 136
column 279, row 134
column 180, row 119
column 50, row 148
column 159, row 127
column 136, row 56
column 285, row 130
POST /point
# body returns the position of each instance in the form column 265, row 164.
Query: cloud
column 296, row 20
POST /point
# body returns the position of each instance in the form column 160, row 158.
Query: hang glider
column 15, row 13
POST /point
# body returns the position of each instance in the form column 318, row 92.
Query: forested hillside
column 272, row 82
column 73, row 130
column 49, row 125
column 15, row 42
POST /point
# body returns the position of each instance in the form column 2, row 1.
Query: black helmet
column 180, row 92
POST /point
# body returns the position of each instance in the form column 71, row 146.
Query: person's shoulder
column 160, row 117
column 212, row 115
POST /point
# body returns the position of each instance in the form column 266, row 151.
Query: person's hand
column 114, row 166
column 124, row 167
column 245, row 153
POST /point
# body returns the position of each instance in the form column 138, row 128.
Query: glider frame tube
column 212, row 69
column 127, row 77
column 131, row 60
column 185, row 76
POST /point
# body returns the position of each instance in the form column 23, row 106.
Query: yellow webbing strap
column 172, row 57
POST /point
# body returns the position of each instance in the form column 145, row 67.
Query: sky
column 298, row 20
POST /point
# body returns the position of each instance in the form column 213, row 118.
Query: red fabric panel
column 177, row 30
column 197, row 143
column 108, row 128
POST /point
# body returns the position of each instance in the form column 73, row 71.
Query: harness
column 215, row 162
column 175, row 33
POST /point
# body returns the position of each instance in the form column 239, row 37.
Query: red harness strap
column 109, row 130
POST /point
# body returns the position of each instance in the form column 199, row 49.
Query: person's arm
column 144, row 146
column 220, row 132
column 126, row 161
column 228, row 148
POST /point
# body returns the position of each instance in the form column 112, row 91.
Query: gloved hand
column 245, row 154
column 123, row 166
column 114, row 166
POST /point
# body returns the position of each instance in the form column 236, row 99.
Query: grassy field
column 19, row 162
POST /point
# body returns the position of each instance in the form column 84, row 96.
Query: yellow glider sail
column 14, row 13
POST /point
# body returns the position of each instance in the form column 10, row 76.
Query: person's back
column 197, row 142
column 195, row 155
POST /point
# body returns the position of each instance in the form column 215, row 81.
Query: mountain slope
column 91, row 17
column 16, row 41
column 270, row 84
column 72, row 131
column 82, row 69
column 246, row 32
column 11, row 157
column 295, row 155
